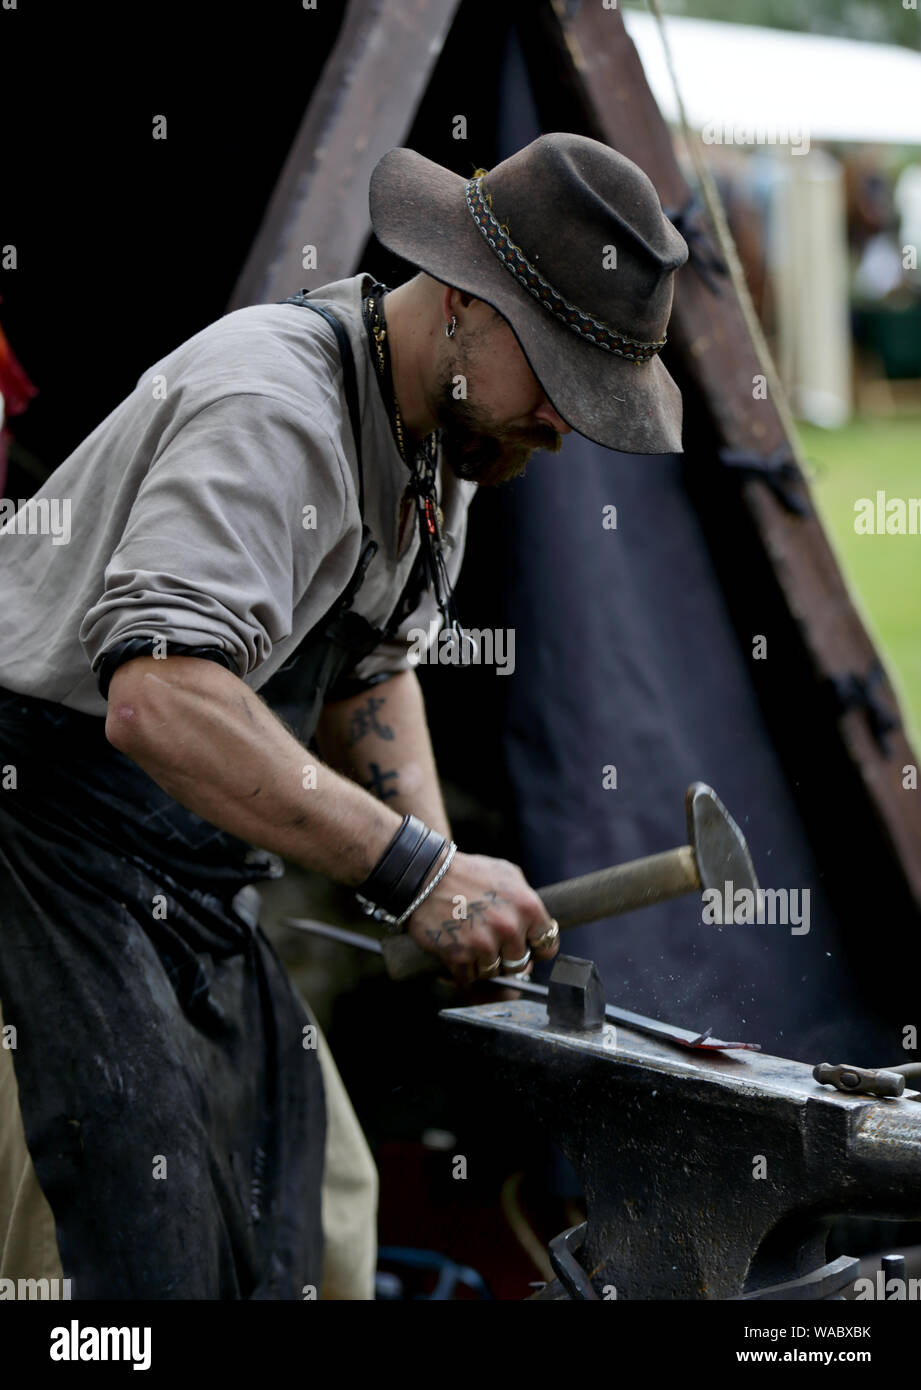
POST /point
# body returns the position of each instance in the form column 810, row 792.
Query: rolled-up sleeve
column 215, row 550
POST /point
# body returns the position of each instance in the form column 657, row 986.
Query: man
column 213, row 674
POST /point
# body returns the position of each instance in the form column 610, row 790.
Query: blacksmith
column 212, row 676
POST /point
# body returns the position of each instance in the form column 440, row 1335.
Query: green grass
column 882, row 572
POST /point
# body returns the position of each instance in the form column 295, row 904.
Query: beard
column 478, row 449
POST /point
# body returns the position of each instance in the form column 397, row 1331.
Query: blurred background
column 828, row 226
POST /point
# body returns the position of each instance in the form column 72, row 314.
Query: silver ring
column 517, row 964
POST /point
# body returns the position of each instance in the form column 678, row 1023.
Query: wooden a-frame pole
column 363, row 105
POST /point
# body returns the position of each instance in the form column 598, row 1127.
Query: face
column 489, row 436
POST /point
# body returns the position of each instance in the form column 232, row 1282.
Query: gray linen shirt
column 189, row 511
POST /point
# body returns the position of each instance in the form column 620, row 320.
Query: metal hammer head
column 718, row 843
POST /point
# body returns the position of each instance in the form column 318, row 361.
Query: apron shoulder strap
column 349, row 379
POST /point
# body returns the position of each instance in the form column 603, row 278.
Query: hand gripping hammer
column 716, row 852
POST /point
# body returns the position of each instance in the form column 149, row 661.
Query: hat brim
column 418, row 211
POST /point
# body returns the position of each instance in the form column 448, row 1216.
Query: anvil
column 706, row 1175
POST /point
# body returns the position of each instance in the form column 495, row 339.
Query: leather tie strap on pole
column 778, row 470
column 704, row 256
column 852, row 691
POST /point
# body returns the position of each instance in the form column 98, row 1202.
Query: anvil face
column 707, row 1176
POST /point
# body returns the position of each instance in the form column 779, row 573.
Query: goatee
column 480, row 451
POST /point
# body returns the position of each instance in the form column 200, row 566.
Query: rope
column 717, row 213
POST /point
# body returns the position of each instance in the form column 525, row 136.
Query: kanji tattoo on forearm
column 364, row 720
column 376, row 784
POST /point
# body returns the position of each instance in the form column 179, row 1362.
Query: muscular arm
column 380, row 739
column 214, row 746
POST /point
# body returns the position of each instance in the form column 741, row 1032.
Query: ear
column 452, row 300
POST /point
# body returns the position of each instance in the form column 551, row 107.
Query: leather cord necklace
column 423, row 469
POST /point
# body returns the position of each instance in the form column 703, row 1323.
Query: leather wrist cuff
column 404, row 866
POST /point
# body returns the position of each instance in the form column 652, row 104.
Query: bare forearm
column 213, row 745
column 380, row 740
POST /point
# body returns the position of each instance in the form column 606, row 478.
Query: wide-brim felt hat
column 566, row 239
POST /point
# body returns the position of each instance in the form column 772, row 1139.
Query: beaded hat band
column 514, row 259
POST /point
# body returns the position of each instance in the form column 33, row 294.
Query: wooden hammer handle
column 605, row 893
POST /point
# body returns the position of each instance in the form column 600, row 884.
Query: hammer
column 716, row 852
column 867, row 1081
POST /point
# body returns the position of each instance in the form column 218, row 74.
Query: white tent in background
column 782, row 92
column 745, row 76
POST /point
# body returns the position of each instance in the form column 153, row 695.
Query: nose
column 548, row 415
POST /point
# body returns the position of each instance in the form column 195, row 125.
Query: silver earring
column 450, row 327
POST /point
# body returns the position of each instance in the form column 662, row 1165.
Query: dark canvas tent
column 634, row 648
